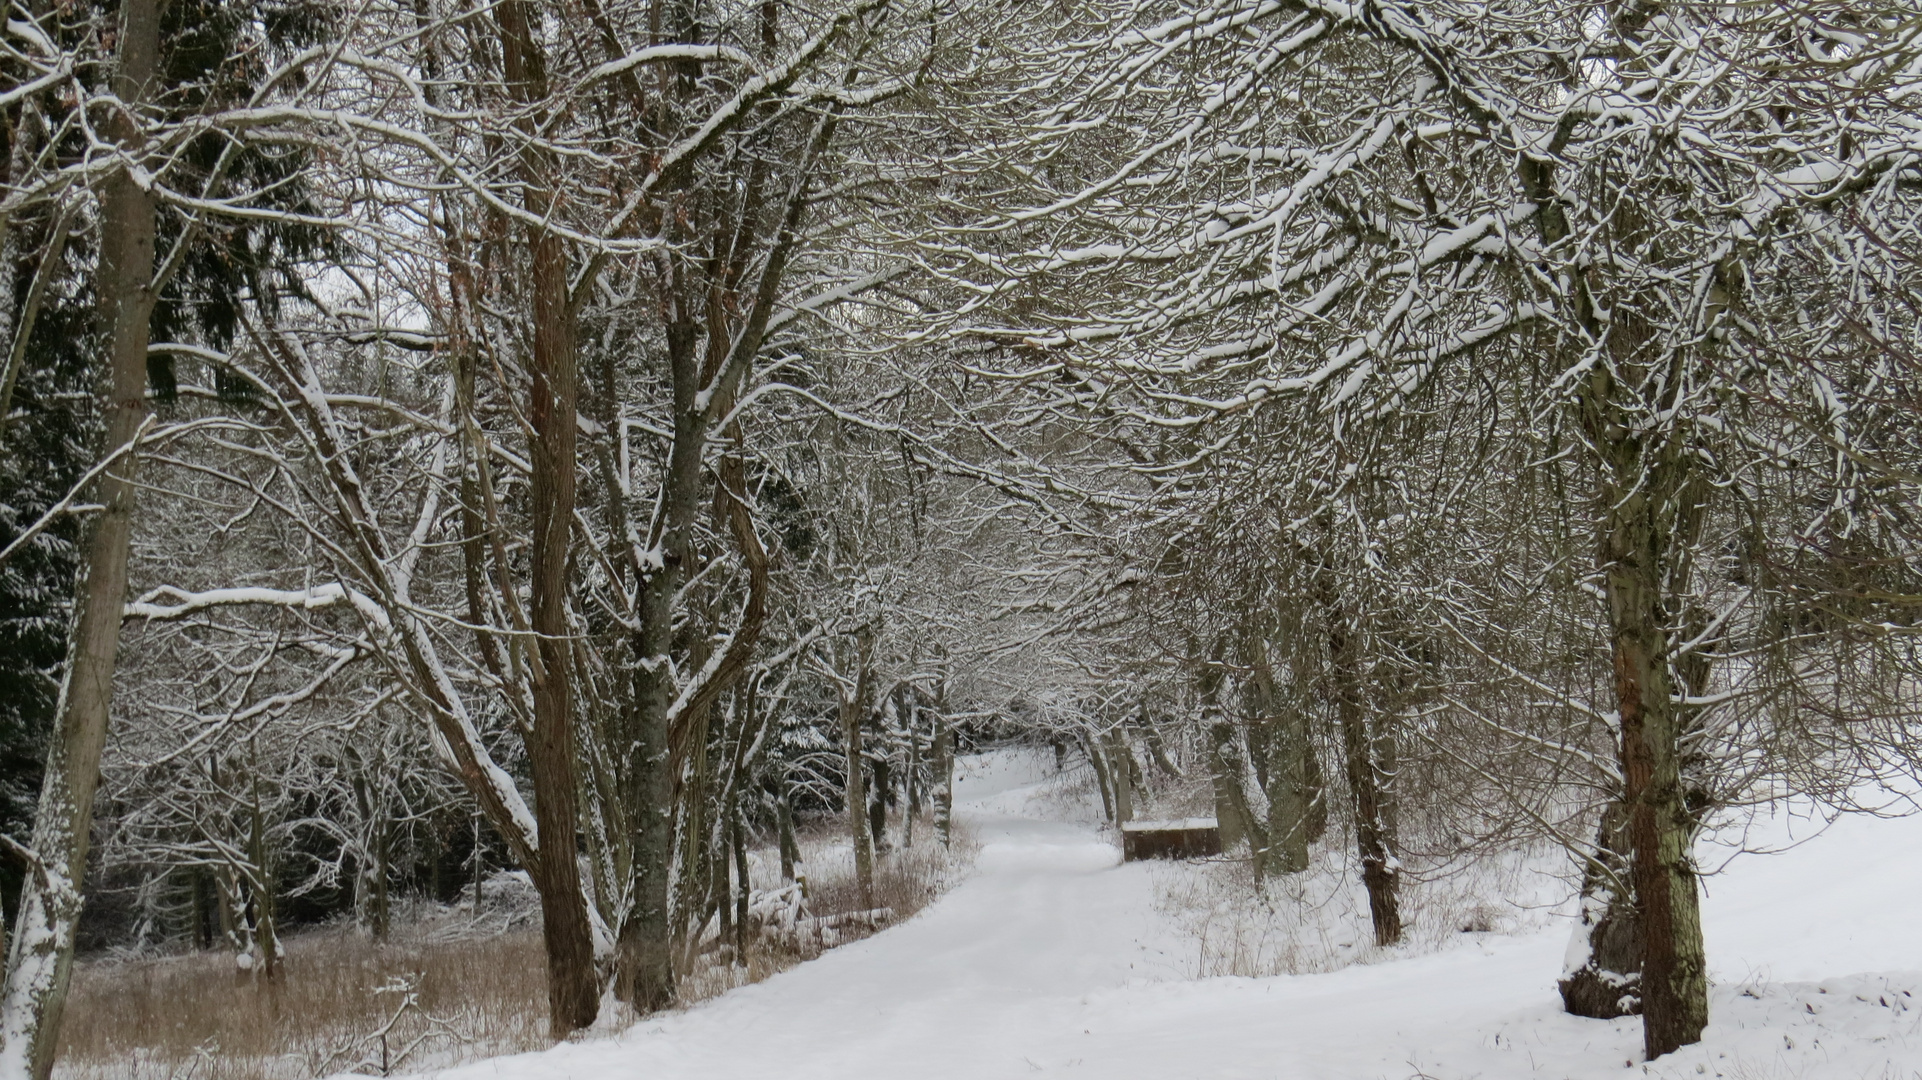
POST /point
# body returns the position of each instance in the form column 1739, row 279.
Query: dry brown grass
column 197, row 1016
column 194, row 1017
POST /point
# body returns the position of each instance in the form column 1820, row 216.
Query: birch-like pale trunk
column 943, row 781
column 40, row 961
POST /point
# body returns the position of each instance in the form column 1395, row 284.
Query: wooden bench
column 1189, row 838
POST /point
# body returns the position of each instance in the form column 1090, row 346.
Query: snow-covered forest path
column 1052, row 958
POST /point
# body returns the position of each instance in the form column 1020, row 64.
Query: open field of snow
column 1054, row 959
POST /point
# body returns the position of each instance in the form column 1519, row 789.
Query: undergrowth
column 447, row 986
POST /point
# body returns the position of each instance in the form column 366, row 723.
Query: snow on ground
column 1054, row 959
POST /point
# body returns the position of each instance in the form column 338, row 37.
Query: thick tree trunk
column 1649, row 513
column 1288, row 795
column 644, row 954
column 40, row 961
column 1225, row 768
column 1602, row 975
column 1660, row 824
column 1280, row 768
column 1232, row 814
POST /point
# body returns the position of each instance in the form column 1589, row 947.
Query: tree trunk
column 41, row 957
column 1373, row 842
column 1118, row 771
column 1661, row 828
column 1098, row 760
column 1232, row 816
column 1280, row 768
column 743, row 885
column 854, row 708
column 943, row 782
column 784, row 822
column 573, row 999
column 878, row 804
column 1288, row 795
column 1157, row 748
column 1602, row 975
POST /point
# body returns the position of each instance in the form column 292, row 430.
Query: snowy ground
column 1054, row 959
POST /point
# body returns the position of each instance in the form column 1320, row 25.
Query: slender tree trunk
column 854, row 709
column 1373, row 842
column 784, row 822
column 572, row 992
column 1157, row 748
column 743, row 885
column 878, row 804
column 1124, row 798
column 910, row 781
column 1099, row 761
column 943, row 782
column 383, row 868
column 39, row 963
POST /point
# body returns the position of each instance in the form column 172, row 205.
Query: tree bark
column 1373, row 842
column 784, row 822
column 943, row 782
column 40, row 960
column 572, row 991
column 1099, row 762
column 1118, row 758
column 1660, row 825
column 854, row 709
column 1601, row 977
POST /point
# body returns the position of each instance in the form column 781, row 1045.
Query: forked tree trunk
column 1602, row 974
column 40, row 961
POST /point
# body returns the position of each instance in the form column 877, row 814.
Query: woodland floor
column 1054, row 959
